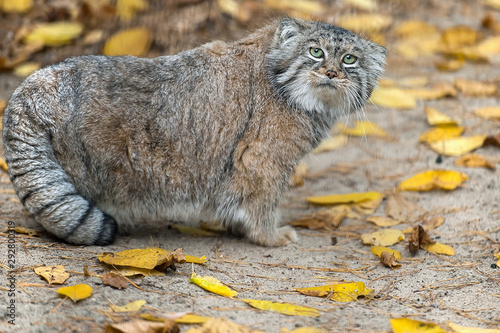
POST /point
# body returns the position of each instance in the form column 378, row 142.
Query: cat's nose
column 331, row 74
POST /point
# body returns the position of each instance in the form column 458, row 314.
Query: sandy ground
column 463, row 289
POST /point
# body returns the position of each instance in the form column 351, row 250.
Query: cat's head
column 322, row 68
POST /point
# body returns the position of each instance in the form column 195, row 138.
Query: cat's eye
column 315, row 52
column 349, row 59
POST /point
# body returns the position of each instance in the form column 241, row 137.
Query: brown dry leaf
column 148, row 258
column 134, row 42
column 368, row 23
column 384, row 237
column 193, row 231
column 134, row 306
column 433, row 179
column 418, row 237
column 143, row 326
column 492, row 140
column 439, row 133
column 114, row 280
column 54, row 34
column 77, row 292
column 415, row 28
column 383, row 221
column 437, row 118
column 331, row 144
column 53, row 274
column 474, row 161
column 401, row 207
column 388, row 259
column 459, row 36
column 299, row 174
column 15, row 6
column 489, row 21
column 489, row 112
column 458, row 146
column 126, row 9
column 327, row 219
column 432, row 223
column 393, row 98
column 475, row 88
column 221, row 325
column 449, row 65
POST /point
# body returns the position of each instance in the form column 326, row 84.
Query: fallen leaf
column 54, row 34
column 439, row 133
column 114, row 280
column 406, row 325
column 193, row 231
column 435, row 92
column 439, row 249
column 305, row 329
column 414, row 81
column 463, row 329
column 213, row 285
column 196, row 260
column 327, row 219
column 363, row 128
column 433, row 179
column 474, row 161
column 450, row 65
column 475, row 88
column 368, row 23
column 148, row 258
column 335, row 199
column 414, row 28
column 383, row 221
column 436, row 117
column 134, row 42
column 457, row 146
column 126, row 9
column 221, row 325
column 384, row 237
column 388, row 259
column 419, row 46
column 192, row 319
column 489, row 21
column 299, row 174
column 492, row 140
column 76, row 292
column 362, row 4
column 497, row 255
column 340, row 292
column 131, row 271
column 331, row 144
column 378, row 250
column 27, row 231
column 283, row 308
column 303, row 7
column 419, row 237
column 401, row 207
column 134, row 306
column 53, row 274
column 143, row 326
column 393, row 98
column 459, row 36
column 432, row 223
column 3, row 105
column 242, row 11
column 16, row 6
column 489, row 112
column 26, row 69
column 93, row 37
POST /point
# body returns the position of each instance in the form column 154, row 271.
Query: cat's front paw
column 281, row 237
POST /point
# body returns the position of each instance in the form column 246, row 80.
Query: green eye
column 349, row 59
column 316, row 53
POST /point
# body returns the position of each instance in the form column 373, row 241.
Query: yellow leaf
column 457, row 146
column 305, row 329
column 419, row 46
column 435, row 92
column 497, row 255
column 191, row 319
column 365, row 22
column 54, row 34
column 27, row 231
column 439, row 249
column 131, row 271
column 475, row 88
column 441, row 133
column 134, row 42
column 414, row 27
column 384, row 237
column 147, row 258
column 53, row 274
column 143, row 326
column 130, row 307
column 77, row 292
column 414, row 81
column 26, row 69
column 450, row 65
column 463, row 329
column 331, row 144
column 335, row 199
column 377, row 250
column 196, row 260
column 126, row 9
column 383, row 221
column 436, row 117
column 3, row 165
column 340, row 292
column 407, row 325
column 459, row 36
column 393, row 98
column 489, row 112
column 213, row 285
column 433, row 179
column 474, row 161
column 363, row 128
column 15, row 6
column 284, row 308
column 362, row 4
column 301, row 6
column 221, row 325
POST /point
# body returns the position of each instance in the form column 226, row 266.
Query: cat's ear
column 288, row 29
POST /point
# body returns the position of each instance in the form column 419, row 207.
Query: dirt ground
column 463, row 289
